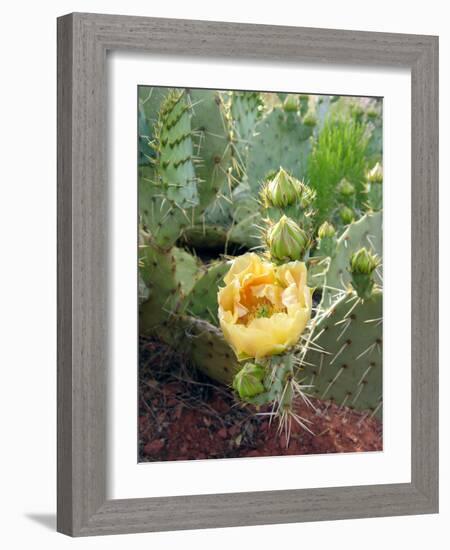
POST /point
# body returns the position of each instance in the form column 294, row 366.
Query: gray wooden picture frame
column 83, row 41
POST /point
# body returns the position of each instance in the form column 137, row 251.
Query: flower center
column 258, row 308
column 263, row 310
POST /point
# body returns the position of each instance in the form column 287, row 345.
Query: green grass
column 339, row 152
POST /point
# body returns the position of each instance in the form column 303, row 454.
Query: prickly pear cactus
column 245, row 111
column 208, row 168
column 344, row 360
column 150, row 100
column 175, row 159
column 203, row 344
column 202, row 299
column 366, row 232
column 169, row 276
column 212, row 150
column 145, row 150
column 282, row 140
column 168, row 186
column 279, row 373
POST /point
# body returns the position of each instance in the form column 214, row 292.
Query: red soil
column 182, row 418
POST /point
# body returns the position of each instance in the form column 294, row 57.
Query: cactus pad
column 245, row 113
column 211, row 145
column 168, row 275
column 344, row 362
column 162, row 218
column 203, row 344
column 366, row 232
column 174, row 147
column 202, row 299
column 282, row 140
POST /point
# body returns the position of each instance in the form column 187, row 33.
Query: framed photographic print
column 247, row 274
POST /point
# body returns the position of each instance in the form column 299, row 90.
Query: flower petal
column 250, row 280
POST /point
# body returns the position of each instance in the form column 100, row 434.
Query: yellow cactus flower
column 263, row 308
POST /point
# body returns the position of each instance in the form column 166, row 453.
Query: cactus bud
column 327, row 239
column 364, row 262
column 291, row 103
column 375, row 190
column 287, row 241
column 282, row 190
column 326, row 230
column 307, row 196
column 248, row 382
column 347, row 215
column 362, row 265
column 375, row 175
column 310, row 119
column 345, row 188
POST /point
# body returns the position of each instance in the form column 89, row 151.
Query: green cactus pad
column 248, row 218
column 317, row 270
column 282, row 140
column 203, row 344
column 245, row 113
column 162, row 218
column 169, row 276
column 366, row 232
column 187, row 268
column 146, row 153
column 150, row 100
column 174, row 148
column 211, row 145
column 349, row 369
column 202, row 299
